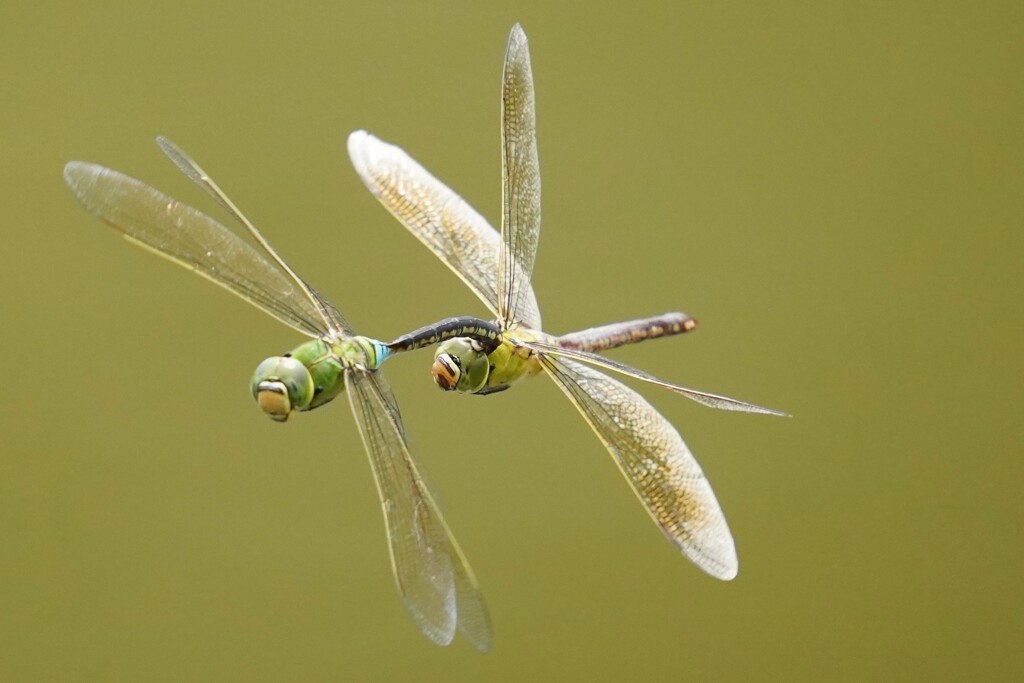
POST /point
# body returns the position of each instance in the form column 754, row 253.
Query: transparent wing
column 433, row 576
column 702, row 397
column 193, row 240
column 438, row 217
column 656, row 462
column 520, row 181
column 328, row 313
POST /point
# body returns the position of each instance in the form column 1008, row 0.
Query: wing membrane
column 193, row 240
column 433, row 577
column 328, row 313
column 438, row 217
column 702, row 397
column 520, row 176
column 655, row 461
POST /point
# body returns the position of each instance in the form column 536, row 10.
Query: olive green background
column 834, row 190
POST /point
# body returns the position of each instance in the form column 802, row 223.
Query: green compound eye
column 459, row 366
column 281, row 385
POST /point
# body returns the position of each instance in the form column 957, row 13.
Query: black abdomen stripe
column 488, row 334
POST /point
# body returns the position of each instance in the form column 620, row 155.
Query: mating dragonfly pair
column 473, row 355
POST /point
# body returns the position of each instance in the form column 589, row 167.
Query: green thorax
column 326, row 363
column 508, row 363
column 312, row 374
column 512, row 360
column 325, row 366
column 465, row 365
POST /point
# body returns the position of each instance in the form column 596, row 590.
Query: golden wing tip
column 72, row 168
column 517, row 36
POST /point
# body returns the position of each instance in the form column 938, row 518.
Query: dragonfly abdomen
column 487, row 334
column 619, row 334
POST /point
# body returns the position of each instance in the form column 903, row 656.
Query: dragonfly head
column 460, row 365
column 280, row 385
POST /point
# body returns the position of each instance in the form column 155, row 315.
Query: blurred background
column 834, row 191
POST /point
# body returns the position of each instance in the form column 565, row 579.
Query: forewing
column 520, row 181
column 327, row 312
column 438, row 217
column 193, row 240
column 655, row 461
column 702, row 397
column 433, row 577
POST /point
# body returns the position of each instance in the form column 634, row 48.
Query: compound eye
column 446, row 371
column 460, row 365
column 281, row 385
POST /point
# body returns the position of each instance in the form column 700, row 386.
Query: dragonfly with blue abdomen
column 433, row 577
column 498, row 268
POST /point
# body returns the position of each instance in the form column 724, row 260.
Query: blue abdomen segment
column 378, row 352
column 362, row 352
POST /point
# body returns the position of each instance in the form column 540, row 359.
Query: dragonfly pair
column 473, row 355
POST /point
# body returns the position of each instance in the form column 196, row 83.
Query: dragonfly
column 649, row 451
column 433, row 577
